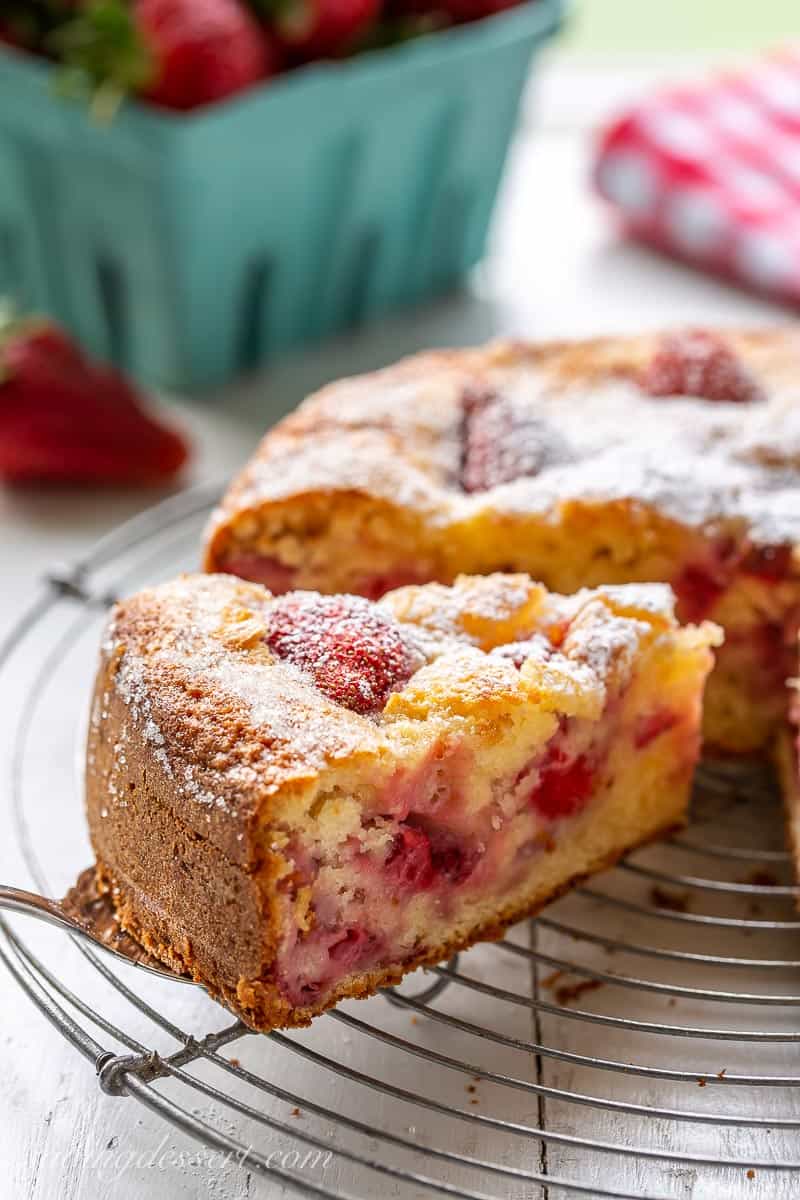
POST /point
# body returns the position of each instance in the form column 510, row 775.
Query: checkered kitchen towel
column 711, row 173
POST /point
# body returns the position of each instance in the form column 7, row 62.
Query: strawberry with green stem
column 177, row 53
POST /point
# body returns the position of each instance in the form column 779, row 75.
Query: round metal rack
column 639, row 1038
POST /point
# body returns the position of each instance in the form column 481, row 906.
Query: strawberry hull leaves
column 177, row 53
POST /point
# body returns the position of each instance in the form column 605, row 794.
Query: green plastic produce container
column 189, row 248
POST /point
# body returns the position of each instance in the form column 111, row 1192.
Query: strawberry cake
column 672, row 457
column 299, row 798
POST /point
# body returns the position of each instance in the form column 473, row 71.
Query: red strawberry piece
column 260, row 569
column 503, row 440
column 698, row 363
column 355, row 653
column 38, row 347
column 564, row 786
column 202, row 50
column 64, row 419
column 423, row 853
column 351, row 947
column 408, row 863
column 771, row 563
column 453, row 859
column 375, row 586
column 324, row 28
column 652, row 725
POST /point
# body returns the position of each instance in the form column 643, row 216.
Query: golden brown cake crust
column 167, row 661
column 394, row 436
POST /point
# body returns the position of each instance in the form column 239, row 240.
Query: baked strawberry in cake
column 673, row 457
column 300, row 798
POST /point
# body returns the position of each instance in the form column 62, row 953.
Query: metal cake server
column 90, row 916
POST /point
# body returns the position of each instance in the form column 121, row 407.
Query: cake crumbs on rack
column 569, row 992
column 672, row 901
column 550, row 980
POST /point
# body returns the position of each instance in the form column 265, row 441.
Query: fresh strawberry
column 355, row 654
column 177, row 53
column 204, row 50
column 503, row 440
column 64, row 419
column 322, row 28
column 698, row 363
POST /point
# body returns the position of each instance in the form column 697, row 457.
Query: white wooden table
column 556, row 268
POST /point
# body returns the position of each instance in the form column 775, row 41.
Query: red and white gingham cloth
column 710, row 172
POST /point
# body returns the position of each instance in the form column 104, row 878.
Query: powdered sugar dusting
column 230, row 720
column 353, row 651
column 563, row 423
column 605, row 643
column 694, row 462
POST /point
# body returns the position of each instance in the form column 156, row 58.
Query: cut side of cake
column 671, row 457
column 298, row 799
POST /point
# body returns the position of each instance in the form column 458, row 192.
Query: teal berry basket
column 191, row 248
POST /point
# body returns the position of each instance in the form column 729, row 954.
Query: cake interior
column 485, row 827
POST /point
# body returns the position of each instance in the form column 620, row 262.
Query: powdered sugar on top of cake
column 692, row 461
column 561, row 423
column 228, row 717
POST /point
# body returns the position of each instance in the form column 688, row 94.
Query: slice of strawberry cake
column 300, row 798
column 672, row 458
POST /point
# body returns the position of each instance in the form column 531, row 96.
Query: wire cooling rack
column 639, row 1038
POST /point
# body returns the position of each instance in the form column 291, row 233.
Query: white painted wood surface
column 555, row 269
